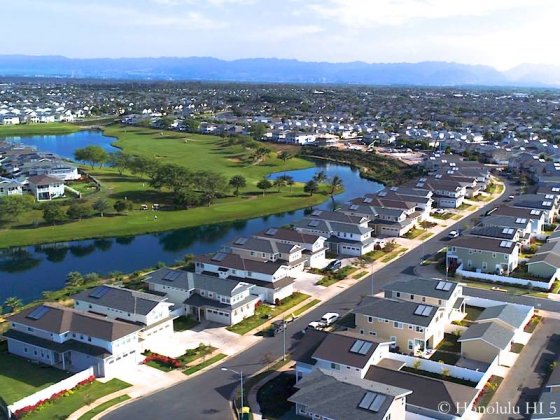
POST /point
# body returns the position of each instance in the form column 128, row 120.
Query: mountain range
column 272, row 70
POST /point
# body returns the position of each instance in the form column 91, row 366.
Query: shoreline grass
column 38, row 129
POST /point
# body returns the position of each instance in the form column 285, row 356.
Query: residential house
column 73, row 340
column 44, row 187
column 486, row 255
column 546, row 262
column 204, row 297
column 412, row 326
column 521, row 224
column 272, row 281
column 536, row 218
column 331, row 395
column 548, row 204
column 313, row 246
column 10, row 187
column 496, row 232
column 149, row 311
column 447, row 193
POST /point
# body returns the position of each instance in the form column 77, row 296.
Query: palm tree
column 13, row 303
column 289, row 181
column 335, row 184
column 311, row 187
column 320, row 177
column 264, row 184
column 284, row 155
column 279, row 183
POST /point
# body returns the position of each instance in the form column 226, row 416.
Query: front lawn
column 414, row 233
column 305, row 307
column 184, row 323
column 64, row 406
column 102, row 407
column 273, row 396
column 20, row 378
column 392, row 255
column 265, row 312
column 332, row 277
column 193, row 369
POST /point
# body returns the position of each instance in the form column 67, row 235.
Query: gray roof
column 517, row 212
column 549, row 401
column 395, row 310
column 427, row 392
column 554, row 235
column 262, row 245
column 335, row 397
column 328, row 226
column 336, row 348
column 167, row 277
column 500, row 232
column 533, row 201
column 549, row 258
column 514, row 315
column 422, row 287
column 554, row 379
column 289, row 235
column 236, row 262
column 335, row 216
column 549, row 247
column 490, row 332
column 484, row 244
column 121, row 299
column 506, row 221
column 59, row 319
column 201, row 301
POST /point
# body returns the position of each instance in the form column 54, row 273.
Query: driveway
column 525, row 379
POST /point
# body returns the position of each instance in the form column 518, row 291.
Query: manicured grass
column 37, row 129
column 20, row 378
column 265, row 312
column 445, row 357
column 457, row 217
column 198, row 152
column 63, row 407
column 184, row 323
column 513, row 290
column 443, row 216
column 159, row 366
column 516, row 347
column 206, row 363
column 473, row 312
column 425, row 236
column 359, row 275
column 102, row 407
column 392, row 255
column 414, row 233
column 273, row 396
column 305, row 307
column 449, row 343
column 193, row 354
column 331, row 278
column 487, row 393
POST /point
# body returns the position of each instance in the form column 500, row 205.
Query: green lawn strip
column 206, row 363
column 37, row 129
column 64, row 406
column 159, row 365
column 443, row 216
column 305, row 307
column 184, row 323
column 331, row 277
column 391, row 256
column 487, row 393
column 273, row 395
column 265, row 312
column 533, row 323
column 414, row 233
column 359, row 275
column 20, row 378
column 193, row 354
column 457, row 216
column 102, row 407
column 425, row 236
column 513, row 290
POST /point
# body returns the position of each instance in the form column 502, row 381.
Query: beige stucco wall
column 479, row 350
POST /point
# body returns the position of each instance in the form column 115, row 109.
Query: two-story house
column 267, row 249
column 73, row 340
column 346, row 235
column 10, row 186
column 548, row 204
column 412, row 326
column 313, row 246
column 145, row 309
column 447, row 192
column 204, row 297
column 485, row 255
column 44, row 187
column 497, row 232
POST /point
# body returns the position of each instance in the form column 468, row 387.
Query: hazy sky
column 501, row 33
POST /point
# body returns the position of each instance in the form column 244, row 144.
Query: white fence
column 494, row 278
column 436, row 367
column 46, row 393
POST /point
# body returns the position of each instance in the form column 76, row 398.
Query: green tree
column 119, row 206
column 264, row 184
column 13, row 206
column 289, row 181
column 171, row 176
column 192, row 124
column 260, row 154
column 78, row 210
column 101, row 206
column 74, row 278
column 211, row 184
column 320, row 177
column 140, row 165
column 92, row 154
column 335, row 184
column 53, row 213
column 284, row 156
column 257, row 130
column 13, row 303
column 120, row 161
column 311, row 187
column 186, row 198
column 237, row 181
column 279, row 183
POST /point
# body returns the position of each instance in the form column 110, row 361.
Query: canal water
column 26, row 272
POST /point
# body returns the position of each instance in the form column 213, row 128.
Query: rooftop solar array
column 372, row 401
column 444, row 285
column 313, row 223
column 172, row 275
column 99, row 292
column 38, row 312
column 272, row 231
column 423, row 310
column 219, row 257
column 367, row 200
column 241, row 241
column 360, row 347
column 506, row 244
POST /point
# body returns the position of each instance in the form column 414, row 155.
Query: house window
column 398, row 325
column 411, row 297
column 410, row 344
column 419, row 329
column 372, row 333
column 398, row 294
column 335, row 366
column 370, row 319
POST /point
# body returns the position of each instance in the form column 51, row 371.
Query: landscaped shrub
column 165, row 360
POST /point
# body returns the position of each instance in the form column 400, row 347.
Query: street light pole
column 284, row 340
column 240, row 373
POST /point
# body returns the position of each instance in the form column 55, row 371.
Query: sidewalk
column 252, row 397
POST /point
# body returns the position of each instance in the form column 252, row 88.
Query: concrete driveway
column 525, row 379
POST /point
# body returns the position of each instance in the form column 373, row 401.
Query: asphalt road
column 207, row 396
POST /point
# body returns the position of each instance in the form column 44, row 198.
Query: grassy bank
column 37, row 129
column 197, row 152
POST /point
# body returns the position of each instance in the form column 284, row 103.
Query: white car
column 329, row 318
column 316, row 325
column 453, row 234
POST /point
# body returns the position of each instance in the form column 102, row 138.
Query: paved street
column 208, row 395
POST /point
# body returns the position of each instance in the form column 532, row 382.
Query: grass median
column 193, row 369
column 102, row 407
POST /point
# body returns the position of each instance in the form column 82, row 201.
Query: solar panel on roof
column 419, row 310
column 367, row 200
column 356, row 346
column 372, row 401
column 365, row 348
column 272, row 231
column 241, row 241
column 316, row 213
column 313, row 223
column 427, row 311
column 377, row 403
column 447, row 286
column 382, row 193
column 354, row 207
column 218, row 257
column 99, row 292
column 172, row 275
column 440, row 285
column 38, row 312
column 367, row 400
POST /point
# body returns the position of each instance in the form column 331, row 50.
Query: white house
column 44, row 187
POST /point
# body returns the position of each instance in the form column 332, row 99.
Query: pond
column 26, row 272
column 64, row 145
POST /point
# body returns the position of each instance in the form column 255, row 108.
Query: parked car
column 453, row 234
column 315, row 325
column 278, row 327
column 511, row 197
column 334, row 265
column 329, row 318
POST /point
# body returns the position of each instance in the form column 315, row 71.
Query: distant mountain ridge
column 273, row 70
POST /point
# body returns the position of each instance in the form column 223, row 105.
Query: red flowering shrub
column 28, row 409
column 160, row 358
